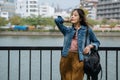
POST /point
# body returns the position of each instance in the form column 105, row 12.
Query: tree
column 15, row 20
column 104, row 21
column 92, row 22
column 112, row 25
column 33, row 20
column 3, row 21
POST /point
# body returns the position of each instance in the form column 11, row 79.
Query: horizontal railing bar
column 46, row 48
column 109, row 48
column 30, row 48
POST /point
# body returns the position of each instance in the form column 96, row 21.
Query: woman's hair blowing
column 82, row 16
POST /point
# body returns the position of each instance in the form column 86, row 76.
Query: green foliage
column 3, row 21
column 32, row 20
column 112, row 25
column 15, row 20
column 104, row 21
column 93, row 22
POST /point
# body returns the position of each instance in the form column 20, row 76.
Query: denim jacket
column 69, row 32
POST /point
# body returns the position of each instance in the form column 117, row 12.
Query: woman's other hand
column 87, row 49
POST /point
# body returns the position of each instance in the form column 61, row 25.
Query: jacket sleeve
column 59, row 22
column 93, row 39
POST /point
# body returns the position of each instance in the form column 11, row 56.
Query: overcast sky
column 64, row 4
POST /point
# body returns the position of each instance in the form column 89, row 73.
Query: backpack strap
column 88, row 77
column 101, row 72
column 86, row 35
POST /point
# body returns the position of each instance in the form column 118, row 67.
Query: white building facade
column 7, row 9
column 64, row 14
column 45, row 10
column 91, row 7
column 26, row 8
column 4, row 15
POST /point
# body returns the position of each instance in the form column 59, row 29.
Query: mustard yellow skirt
column 71, row 68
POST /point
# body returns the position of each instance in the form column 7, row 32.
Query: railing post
column 40, row 65
column 19, row 66
column 106, row 65
column 117, row 65
column 51, row 65
column 30, row 65
column 8, row 64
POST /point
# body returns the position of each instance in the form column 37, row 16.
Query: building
column 45, row 10
column 108, row 9
column 64, row 14
column 7, row 9
column 26, row 8
column 12, row 1
column 91, row 7
column 20, row 8
column 4, row 15
column 9, row 1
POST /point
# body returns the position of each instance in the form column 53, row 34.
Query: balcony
column 42, row 63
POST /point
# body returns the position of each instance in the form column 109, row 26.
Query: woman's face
column 75, row 18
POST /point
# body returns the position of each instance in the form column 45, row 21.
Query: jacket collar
column 82, row 27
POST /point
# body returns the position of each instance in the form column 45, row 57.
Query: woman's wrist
column 90, row 46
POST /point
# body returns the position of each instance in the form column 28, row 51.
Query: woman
column 71, row 63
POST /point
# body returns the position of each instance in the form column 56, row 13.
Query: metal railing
column 104, row 58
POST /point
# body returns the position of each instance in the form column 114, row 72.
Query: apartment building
column 7, row 9
column 45, row 10
column 26, row 8
column 108, row 9
column 9, row 1
column 91, row 7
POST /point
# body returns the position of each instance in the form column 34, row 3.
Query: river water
column 49, row 41
column 45, row 41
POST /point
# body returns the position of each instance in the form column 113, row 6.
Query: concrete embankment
column 108, row 34
column 21, row 33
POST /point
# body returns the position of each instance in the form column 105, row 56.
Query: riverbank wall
column 22, row 33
